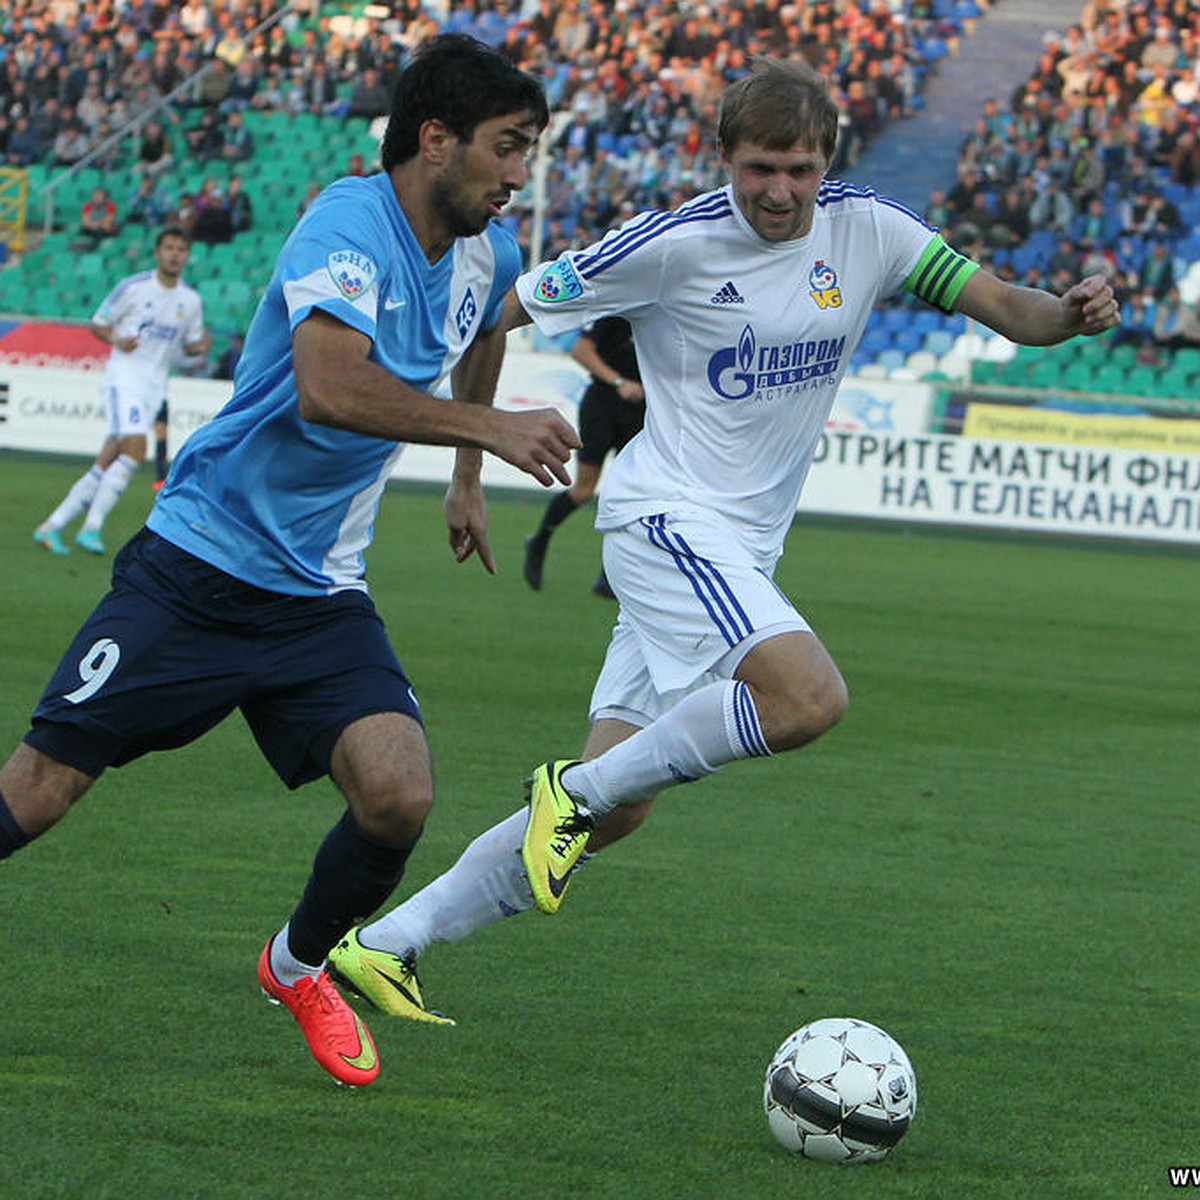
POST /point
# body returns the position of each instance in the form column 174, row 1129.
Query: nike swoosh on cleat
column 557, row 885
column 396, row 983
column 366, row 1058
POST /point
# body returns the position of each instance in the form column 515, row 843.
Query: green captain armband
column 940, row 274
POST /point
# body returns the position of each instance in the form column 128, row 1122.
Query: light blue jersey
column 287, row 505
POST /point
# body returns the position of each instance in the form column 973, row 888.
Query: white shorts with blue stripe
column 694, row 601
column 129, row 410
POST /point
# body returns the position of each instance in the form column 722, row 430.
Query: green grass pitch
column 994, row 857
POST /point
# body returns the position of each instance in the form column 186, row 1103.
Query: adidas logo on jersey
column 728, row 294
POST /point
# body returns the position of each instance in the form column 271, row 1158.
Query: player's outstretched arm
column 474, row 382
column 1038, row 318
column 338, row 385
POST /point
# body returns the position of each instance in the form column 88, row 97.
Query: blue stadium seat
column 939, row 342
column 908, row 341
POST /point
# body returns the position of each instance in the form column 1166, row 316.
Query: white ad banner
column 59, row 410
column 877, row 459
column 1007, row 485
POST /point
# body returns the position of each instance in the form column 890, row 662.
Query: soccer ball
column 840, row 1090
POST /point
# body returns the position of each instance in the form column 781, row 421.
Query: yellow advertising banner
column 1010, row 423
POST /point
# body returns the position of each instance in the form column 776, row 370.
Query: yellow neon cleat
column 388, row 981
column 556, row 835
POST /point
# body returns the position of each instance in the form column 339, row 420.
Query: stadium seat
column 985, row 372
column 1109, row 379
column 921, row 361
column 1077, row 377
column 969, row 345
column 953, row 366
column 1176, row 383
column 908, row 341
column 998, row 348
column 938, row 342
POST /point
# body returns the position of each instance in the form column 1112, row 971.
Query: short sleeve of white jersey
column 903, row 237
column 629, row 263
column 121, row 303
column 329, row 262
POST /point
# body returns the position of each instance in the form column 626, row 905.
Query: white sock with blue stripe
column 82, row 493
column 487, row 883
column 715, row 725
column 112, row 484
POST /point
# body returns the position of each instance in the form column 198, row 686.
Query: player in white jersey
column 746, row 305
column 247, row 589
column 151, row 320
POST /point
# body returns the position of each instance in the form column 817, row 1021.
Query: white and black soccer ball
column 840, row 1090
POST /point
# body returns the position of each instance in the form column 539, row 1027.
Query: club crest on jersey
column 354, row 273
column 558, row 283
column 464, row 318
column 753, row 369
column 823, row 285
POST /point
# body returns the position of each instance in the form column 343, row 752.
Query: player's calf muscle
column 38, row 790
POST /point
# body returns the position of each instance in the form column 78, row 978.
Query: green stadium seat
column 1077, row 377
column 1093, row 349
column 1143, row 382
column 1109, row 378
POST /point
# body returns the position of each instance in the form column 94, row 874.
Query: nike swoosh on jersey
column 392, row 303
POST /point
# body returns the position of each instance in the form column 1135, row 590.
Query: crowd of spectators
column 1086, row 167
column 639, row 78
column 1082, row 153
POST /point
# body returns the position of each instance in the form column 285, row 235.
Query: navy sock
column 160, row 458
column 557, row 511
column 12, row 836
column 353, row 874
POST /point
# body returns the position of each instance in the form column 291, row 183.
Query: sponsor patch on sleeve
column 558, row 283
column 354, row 273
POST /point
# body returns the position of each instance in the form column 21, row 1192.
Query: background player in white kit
column 747, row 304
column 151, row 320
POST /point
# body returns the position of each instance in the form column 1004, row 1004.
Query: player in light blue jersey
column 247, row 590
column 746, row 305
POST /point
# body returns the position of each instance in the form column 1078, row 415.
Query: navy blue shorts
column 177, row 645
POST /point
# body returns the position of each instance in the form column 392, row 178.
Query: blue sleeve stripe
column 711, row 207
column 835, row 190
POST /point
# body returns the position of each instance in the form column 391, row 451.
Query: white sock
column 114, row 482
column 285, row 966
column 715, row 725
column 485, row 885
column 82, row 492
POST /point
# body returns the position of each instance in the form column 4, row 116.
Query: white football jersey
column 162, row 318
column 742, row 344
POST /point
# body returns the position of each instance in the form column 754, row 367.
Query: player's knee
column 391, row 804
column 396, row 815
